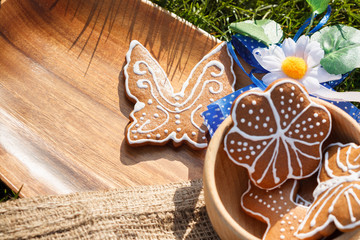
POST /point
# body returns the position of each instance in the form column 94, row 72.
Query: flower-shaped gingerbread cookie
column 277, row 134
column 337, row 197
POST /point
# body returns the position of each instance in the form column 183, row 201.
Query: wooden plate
column 63, row 109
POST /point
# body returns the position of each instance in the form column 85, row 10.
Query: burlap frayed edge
column 172, row 211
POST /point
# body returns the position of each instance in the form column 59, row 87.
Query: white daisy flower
column 297, row 60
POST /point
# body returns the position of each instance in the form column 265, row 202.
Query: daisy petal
column 288, row 46
column 322, row 75
column 301, row 44
column 311, row 84
column 273, row 76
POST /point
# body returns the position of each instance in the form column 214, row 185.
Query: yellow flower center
column 294, row 67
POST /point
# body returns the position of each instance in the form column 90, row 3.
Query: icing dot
column 178, row 122
column 150, row 101
column 267, row 118
column 240, row 158
column 296, row 131
column 232, row 142
column 271, row 130
column 311, row 126
column 257, row 118
column 284, row 123
column 304, row 129
column 282, row 97
column 133, row 131
column 258, row 147
column 137, row 125
column 321, row 133
column 157, row 135
column 247, row 157
column 177, row 116
column 292, row 94
column 282, row 111
column 282, row 102
column 148, row 136
column 211, row 100
column 286, row 116
column 253, row 102
column 294, row 112
column 323, row 121
column 298, row 105
column 166, row 131
column 293, row 88
column 309, row 119
column 316, row 115
column 193, row 133
column 251, row 111
column 252, row 153
column 251, row 148
column 317, row 124
column 239, row 143
column 270, row 196
column 290, row 100
column 244, row 149
column 261, row 110
column 256, row 126
column 260, row 200
column 303, row 122
column 272, row 209
column 281, row 198
column 282, row 237
column 315, row 135
column 178, row 129
column 297, row 125
column 281, row 89
column 249, row 124
column 256, row 196
column 177, row 109
column 242, row 120
column 156, row 115
column 308, row 136
column 239, row 149
column 301, row 99
column 243, row 105
column 231, row 150
column 141, row 118
column 274, row 201
column 279, row 207
column 292, row 228
column 265, row 125
column 135, row 137
column 282, row 222
column 264, row 143
column 282, row 229
column 144, row 114
column 281, row 215
column 289, row 109
column 245, row 144
column 268, row 206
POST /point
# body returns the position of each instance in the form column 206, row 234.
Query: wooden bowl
column 225, row 182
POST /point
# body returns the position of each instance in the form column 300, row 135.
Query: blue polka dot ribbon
column 244, row 46
column 220, row 109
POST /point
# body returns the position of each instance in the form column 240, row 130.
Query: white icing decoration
column 158, row 81
column 156, row 115
column 278, row 135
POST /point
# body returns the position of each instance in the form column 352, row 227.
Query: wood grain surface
column 63, row 109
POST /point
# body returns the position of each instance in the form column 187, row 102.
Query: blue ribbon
column 256, row 81
column 316, row 28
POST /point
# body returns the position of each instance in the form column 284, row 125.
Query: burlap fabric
column 175, row 211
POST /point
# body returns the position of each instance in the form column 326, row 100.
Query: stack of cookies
column 279, row 135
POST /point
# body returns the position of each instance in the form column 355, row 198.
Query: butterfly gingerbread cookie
column 277, row 134
column 337, row 196
column 160, row 114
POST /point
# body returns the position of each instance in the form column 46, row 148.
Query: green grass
column 7, row 194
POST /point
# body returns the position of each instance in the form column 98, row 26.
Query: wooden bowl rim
column 210, row 162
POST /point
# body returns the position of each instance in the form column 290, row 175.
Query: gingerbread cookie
column 337, row 197
column 160, row 114
column 276, row 208
column 277, row 134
